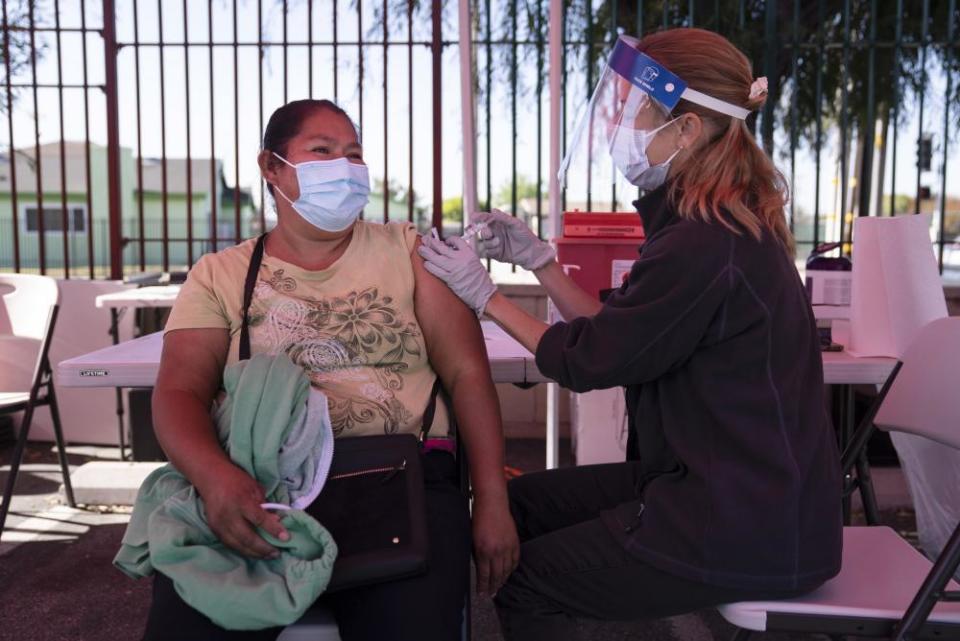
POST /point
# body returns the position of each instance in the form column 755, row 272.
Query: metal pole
column 436, row 49
column 113, row 139
column 468, row 113
column 556, row 68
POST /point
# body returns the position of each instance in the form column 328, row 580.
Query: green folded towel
column 168, row 531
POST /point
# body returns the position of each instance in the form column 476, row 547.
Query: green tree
column 525, row 188
column 453, row 210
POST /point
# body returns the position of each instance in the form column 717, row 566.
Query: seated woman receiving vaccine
column 350, row 302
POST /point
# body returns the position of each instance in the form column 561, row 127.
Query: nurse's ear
column 689, row 131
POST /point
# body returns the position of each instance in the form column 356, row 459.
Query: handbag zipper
column 392, row 469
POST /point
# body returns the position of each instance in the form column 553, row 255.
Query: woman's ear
column 268, row 166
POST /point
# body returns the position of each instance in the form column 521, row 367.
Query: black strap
column 248, row 286
column 431, row 409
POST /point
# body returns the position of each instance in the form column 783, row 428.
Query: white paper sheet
column 896, row 284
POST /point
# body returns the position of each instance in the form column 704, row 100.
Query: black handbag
column 373, row 501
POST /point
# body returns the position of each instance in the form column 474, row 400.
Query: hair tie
column 758, row 88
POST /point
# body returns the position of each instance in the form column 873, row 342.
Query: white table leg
column 553, row 425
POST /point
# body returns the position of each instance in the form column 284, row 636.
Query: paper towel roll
column 896, row 284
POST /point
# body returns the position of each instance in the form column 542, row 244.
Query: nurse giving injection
column 731, row 490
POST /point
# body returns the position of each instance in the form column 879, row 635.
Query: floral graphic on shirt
column 282, row 283
column 355, row 347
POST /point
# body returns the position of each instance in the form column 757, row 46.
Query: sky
column 244, row 127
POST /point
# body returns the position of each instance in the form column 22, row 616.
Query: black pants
column 570, row 564
column 423, row 608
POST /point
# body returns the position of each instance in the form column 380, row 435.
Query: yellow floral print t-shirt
column 351, row 326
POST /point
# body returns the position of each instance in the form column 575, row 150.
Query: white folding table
column 155, row 296
column 135, row 363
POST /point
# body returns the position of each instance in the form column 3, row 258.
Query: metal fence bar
column 613, row 40
column 12, row 154
column 336, row 66
column 925, row 34
column 113, row 139
column 214, row 192
column 410, row 194
column 541, row 28
column 64, row 214
column 38, row 164
column 186, row 93
column 948, row 56
column 164, row 200
column 489, row 105
column 864, row 181
column 563, row 83
column 589, row 59
column 263, row 202
column 136, row 61
column 236, row 132
column 386, row 119
column 818, row 103
column 91, row 259
column 285, row 74
column 895, row 117
column 436, row 19
column 513, row 117
column 794, row 94
column 360, row 61
column 309, row 64
column 844, row 126
column 770, row 71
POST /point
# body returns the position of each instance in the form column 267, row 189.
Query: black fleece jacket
column 714, row 339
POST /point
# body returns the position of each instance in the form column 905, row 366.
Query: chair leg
column 928, row 594
column 742, row 634
column 15, row 464
column 61, row 444
column 871, row 510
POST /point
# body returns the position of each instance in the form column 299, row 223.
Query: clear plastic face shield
column 607, row 158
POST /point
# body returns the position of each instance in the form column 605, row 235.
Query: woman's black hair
column 286, row 122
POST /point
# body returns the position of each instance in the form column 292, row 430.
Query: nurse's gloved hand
column 455, row 263
column 509, row 240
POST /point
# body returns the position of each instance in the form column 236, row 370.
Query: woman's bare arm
column 457, row 352
column 190, row 373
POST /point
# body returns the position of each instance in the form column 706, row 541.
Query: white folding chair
column 885, row 587
column 27, row 319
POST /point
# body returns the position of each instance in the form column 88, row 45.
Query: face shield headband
column 649, row 76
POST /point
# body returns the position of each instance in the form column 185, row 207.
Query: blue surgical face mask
column 628, row 148
column 332, row 192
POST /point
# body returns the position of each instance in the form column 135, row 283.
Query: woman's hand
column 458, row 266
column 496, row 547
column 508, row 239
column 232, row 502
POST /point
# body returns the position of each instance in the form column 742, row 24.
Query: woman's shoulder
column 400, row 234
column 228, row 258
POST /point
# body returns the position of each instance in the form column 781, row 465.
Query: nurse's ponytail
column 729, row 180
